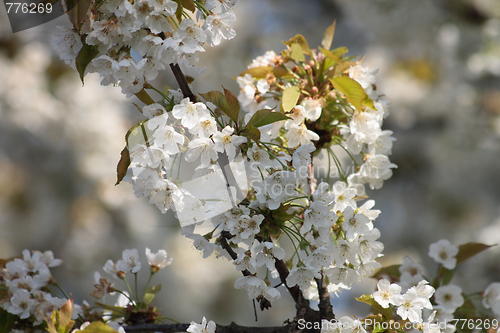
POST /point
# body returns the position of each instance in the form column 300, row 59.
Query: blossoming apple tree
column 244, row 164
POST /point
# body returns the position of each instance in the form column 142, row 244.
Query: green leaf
column 122, row 167
column 98, row 327
column 340, row 68
column 296, row 52
column 391, row 271
column 329, row 55
column 299, row 39
column 64, row 319
column 368, row 102
column 467, row 251
column 378, row 329
column 80, row 12
column 84, row 57
column 447, row 275
column 60, row 320
column 351, row 89
column 144, row 97
column 264, row 117
column 215, row 97
column 253, row 133
column 281, row 214
column 7, row 321
column 116, row 310
column 233, row 105
column 290, row 97
column 375, row 320
column 328, row 36
column 340, row 51
column 258, row 72
column 467, row 310
column 368, row 299
column 227, row 103
column 282, row 72
column 189, row 5
column 178, row 12
column 138, row 134
column 150, row 294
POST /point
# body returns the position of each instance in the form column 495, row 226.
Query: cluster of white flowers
column 340, row 236
column 189, row 131
column 362, row 133
column 491, row 298
column 447, row 298
column 27, row 281
column 410, row 304
column 158, row 32
column 130, row 262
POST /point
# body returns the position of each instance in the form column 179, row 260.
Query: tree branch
column 233, row 328
column 181, row 81
column 225, row 235
column 325, row 306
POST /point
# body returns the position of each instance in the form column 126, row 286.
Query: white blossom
column 443, row 252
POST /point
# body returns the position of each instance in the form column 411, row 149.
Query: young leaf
column 84, row 57
column 60, row 320
column 7, row 321
column 329, row 55
column 134, row 132
column 189, row 5
column 98, row 327
column 79, row 12
column 299, row 39
column 150, row 294
column 144, row 97
column 264, row 117
column 290, row 97
column 466, row 251
column 233, row 105
column 115, row 310
column 258, row 72
column 282, row 72
column 253, row 133
column 351, row 89
column 65, row 315
column 296, row 52
column 178, row 12
column 392, row 271
column 215, row 97
column 340, row 68
column 447, row 275
column 368, row 102
column 328, row 36
column 122, row 167
column 340, row 51
column 368, row 299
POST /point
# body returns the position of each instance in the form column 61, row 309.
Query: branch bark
column 325, row 306
column 233, row 328
column 181, row 81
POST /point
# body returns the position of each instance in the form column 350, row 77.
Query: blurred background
column 439, row 65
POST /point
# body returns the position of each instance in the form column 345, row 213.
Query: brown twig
column 325, row 306
column 233, row 328
column 181, row 81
